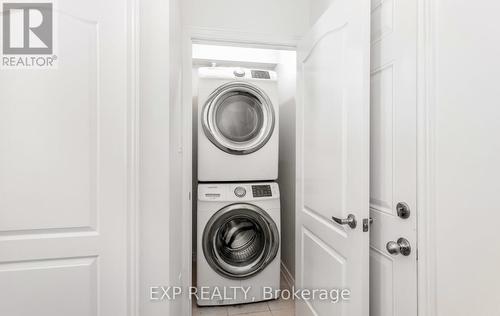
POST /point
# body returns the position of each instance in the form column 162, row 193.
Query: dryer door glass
column 238, row 118
column 240, row 240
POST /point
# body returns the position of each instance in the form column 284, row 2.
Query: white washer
column 238, row 242
column 237, row 124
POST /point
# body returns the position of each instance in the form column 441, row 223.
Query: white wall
column 234, row 56
column 317, row 8
column 160, row 238
column 286, row 18
column 287, row 75
column 176, row 213
column 468, row 158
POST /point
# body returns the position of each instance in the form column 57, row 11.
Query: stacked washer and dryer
column 238, row 217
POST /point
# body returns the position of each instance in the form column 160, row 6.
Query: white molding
column 426, row 161
column 248, row 39
column 133, row 145
column 287, row 275
column 187, row 177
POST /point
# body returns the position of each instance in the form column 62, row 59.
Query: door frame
column 133, row 154
column 426, row 101
column 426, row 153
column 206, row 36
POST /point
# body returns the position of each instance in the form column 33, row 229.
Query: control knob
column 240, row 192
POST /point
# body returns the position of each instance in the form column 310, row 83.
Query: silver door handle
column 350, row 220
column 402, row 246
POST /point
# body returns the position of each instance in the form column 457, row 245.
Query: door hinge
column 366, row 224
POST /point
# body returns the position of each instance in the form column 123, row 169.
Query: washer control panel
column 262, row 190
column 240, row 192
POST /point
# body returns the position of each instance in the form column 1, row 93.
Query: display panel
column 260, row 74
column 261, row 190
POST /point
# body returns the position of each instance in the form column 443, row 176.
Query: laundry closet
column 299, row 140
column 243, row 109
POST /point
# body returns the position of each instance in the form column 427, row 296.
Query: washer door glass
column 240, row 240
column 238, row 118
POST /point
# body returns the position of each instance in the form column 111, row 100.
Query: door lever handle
column 350, row 220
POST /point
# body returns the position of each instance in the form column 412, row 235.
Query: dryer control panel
column 260, row 74
column 237, row 73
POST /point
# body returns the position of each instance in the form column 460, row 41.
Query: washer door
column 240, row 240
column 238, row 118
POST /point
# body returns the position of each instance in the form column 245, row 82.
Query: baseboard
column 287, row 275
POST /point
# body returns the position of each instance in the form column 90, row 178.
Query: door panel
column 316, row 254
column 49, row 139
column 393, row 284
column 323, row 122
column 63, row 171
column 381, row 158
column 333, row 158
column 381, row 283
column 73, row 286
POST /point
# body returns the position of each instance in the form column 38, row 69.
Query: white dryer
column 237, row 124
column 238, row 242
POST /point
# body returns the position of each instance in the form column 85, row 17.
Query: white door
column 63, row 171
column 333, row 158
column 393, row 277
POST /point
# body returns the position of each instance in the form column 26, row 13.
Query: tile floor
column 278, row 307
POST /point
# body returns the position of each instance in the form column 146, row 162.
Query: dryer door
column 238, row 118
column 240, row 240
